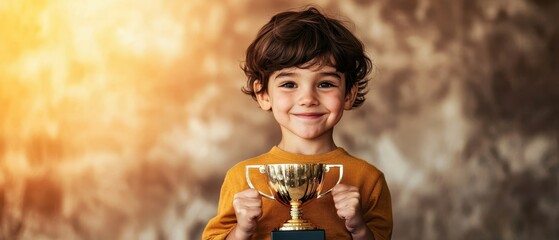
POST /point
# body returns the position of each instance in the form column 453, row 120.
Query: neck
column 319, row 145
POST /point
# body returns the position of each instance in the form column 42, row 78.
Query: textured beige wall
column 118, row 119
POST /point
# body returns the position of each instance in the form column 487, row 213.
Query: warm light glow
column 119, row 118
column 92, row 93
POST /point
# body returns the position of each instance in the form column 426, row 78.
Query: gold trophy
column 295, row 185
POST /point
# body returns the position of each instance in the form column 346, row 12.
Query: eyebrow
column 333, row 74
column 285, row 74
column 329, row 73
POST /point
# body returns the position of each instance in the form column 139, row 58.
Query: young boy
column 307, row 69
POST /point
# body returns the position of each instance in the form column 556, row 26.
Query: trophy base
column 317, row 234
column 297, row 225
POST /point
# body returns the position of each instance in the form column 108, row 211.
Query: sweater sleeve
column 225, row 220
column 379, row 213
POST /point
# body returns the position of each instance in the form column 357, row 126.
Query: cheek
column 336, row 107
column 335, row 102
column 282, row 107
column 282, row 101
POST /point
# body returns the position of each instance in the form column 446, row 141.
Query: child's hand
column 248, row 209
column 348, row 206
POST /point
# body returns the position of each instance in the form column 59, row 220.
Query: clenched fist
column 248, row 209
column 348, row 206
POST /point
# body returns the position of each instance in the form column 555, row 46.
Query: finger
column 340, row 197
column 253, row 213
column 344, row 214
column 252, row 204
column 341, row 188
column 240, row 203
column 252, row 193
column 347, row 200
column 247, row 203
column 247, row 199
column 348, row 205
column 347, row 213
column 248, row 214
column 248, row 193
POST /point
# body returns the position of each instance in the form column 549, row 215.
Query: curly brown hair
column 302, row 39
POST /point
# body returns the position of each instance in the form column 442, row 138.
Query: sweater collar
column 282, row 155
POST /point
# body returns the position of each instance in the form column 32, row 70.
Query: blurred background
column 119, row 119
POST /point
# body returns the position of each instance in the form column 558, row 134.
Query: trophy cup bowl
column 294, row 185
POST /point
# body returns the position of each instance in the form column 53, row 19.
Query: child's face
column 306, row 102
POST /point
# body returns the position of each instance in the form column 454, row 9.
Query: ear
column 262, row 97
column 350, row 98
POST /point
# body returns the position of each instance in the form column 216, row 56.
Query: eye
column 326, row 85
column 288, row 85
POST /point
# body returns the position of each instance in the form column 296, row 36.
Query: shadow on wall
column 119, row 119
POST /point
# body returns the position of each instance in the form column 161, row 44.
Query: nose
column 307, row 97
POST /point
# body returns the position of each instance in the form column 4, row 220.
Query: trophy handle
column 327, row 169
column 261, row 168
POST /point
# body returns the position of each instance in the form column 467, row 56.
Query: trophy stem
column 296, row 213
column 297, row 222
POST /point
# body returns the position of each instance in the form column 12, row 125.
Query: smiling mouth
column 309, row 115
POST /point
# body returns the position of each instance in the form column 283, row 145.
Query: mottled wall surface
column 118, row 119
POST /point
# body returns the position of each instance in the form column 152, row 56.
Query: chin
column 310, row 136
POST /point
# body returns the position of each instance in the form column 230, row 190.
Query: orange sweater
column 375, row 196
